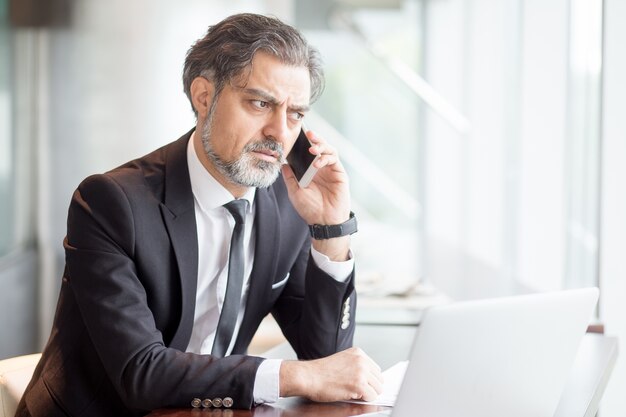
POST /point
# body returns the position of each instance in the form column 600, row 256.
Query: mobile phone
column 301, row 160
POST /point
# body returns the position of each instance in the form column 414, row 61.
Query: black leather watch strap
column 321, row 231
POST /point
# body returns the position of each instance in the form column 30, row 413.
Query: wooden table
column 588, row 378
column 292, row 407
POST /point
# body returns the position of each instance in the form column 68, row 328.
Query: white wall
column 613, row 220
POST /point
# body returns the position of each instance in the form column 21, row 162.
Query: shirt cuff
column 340, row 271
column 266, row 383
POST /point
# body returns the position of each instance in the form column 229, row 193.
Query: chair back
column 15, row 374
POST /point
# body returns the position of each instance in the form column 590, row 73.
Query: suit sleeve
column 315, row 311
column 112, row 300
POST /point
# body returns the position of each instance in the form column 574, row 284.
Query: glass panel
column 6, row 149
column 521, row 193
column 584, row 143
column 518, row 196
column 378, row 114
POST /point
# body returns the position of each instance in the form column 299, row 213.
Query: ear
column 202, row 91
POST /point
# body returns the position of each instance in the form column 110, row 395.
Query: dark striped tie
column 232, row 300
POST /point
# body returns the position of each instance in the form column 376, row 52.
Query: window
column 6, row 148
column 497, row 175
column 18, row 127
column 371, row 113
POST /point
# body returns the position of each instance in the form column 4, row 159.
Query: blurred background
column 485, row 140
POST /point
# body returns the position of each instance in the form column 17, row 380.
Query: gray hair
column 228, row 48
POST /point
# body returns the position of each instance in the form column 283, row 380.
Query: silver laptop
column 493, row 358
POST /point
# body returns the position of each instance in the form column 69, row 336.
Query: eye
column 297, row 116
column 260, row 104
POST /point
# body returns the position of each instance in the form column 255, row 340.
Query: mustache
column 266, row 145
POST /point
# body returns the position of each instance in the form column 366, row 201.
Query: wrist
column 334, row 230
column 293, row 378
column 337, row 249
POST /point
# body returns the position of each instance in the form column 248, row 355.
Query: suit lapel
column 180, row 220
column 265, row 262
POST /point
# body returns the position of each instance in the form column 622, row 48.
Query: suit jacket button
column 345, row 324
column 206, row 403
column 217, row 402
column 195, row 403
column 227, row 402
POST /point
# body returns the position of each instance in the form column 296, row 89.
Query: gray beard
column 247, row 170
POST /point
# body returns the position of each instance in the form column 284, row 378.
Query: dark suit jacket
column 127, row 299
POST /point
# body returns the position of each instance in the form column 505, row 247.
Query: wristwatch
column 323, row 231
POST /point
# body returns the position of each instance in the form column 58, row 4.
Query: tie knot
column 237, row 209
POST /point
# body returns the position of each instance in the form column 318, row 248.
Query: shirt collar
column 207, row 191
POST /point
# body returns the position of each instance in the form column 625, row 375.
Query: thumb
column 290, row 179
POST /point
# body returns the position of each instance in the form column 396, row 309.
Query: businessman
column 173, row 259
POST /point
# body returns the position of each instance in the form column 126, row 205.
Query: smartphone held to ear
column 301, row 160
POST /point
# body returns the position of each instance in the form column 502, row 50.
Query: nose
column 276, row 127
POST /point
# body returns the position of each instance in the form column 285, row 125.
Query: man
column 158, row 302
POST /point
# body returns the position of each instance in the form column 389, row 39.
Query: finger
column 290, row 179
column 374, row 372
column 325, row 160
column 313, row 137
column 368, row 394
column 323, row 149
column 319, row 145
column 376, row 383
column 371, row 364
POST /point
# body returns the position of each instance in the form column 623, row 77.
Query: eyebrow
column 273, row 100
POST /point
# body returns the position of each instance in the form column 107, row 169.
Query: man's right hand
column 347, row 375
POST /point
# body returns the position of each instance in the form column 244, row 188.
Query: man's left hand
column 326, row 200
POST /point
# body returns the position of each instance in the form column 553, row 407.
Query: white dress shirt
column 215, row 226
